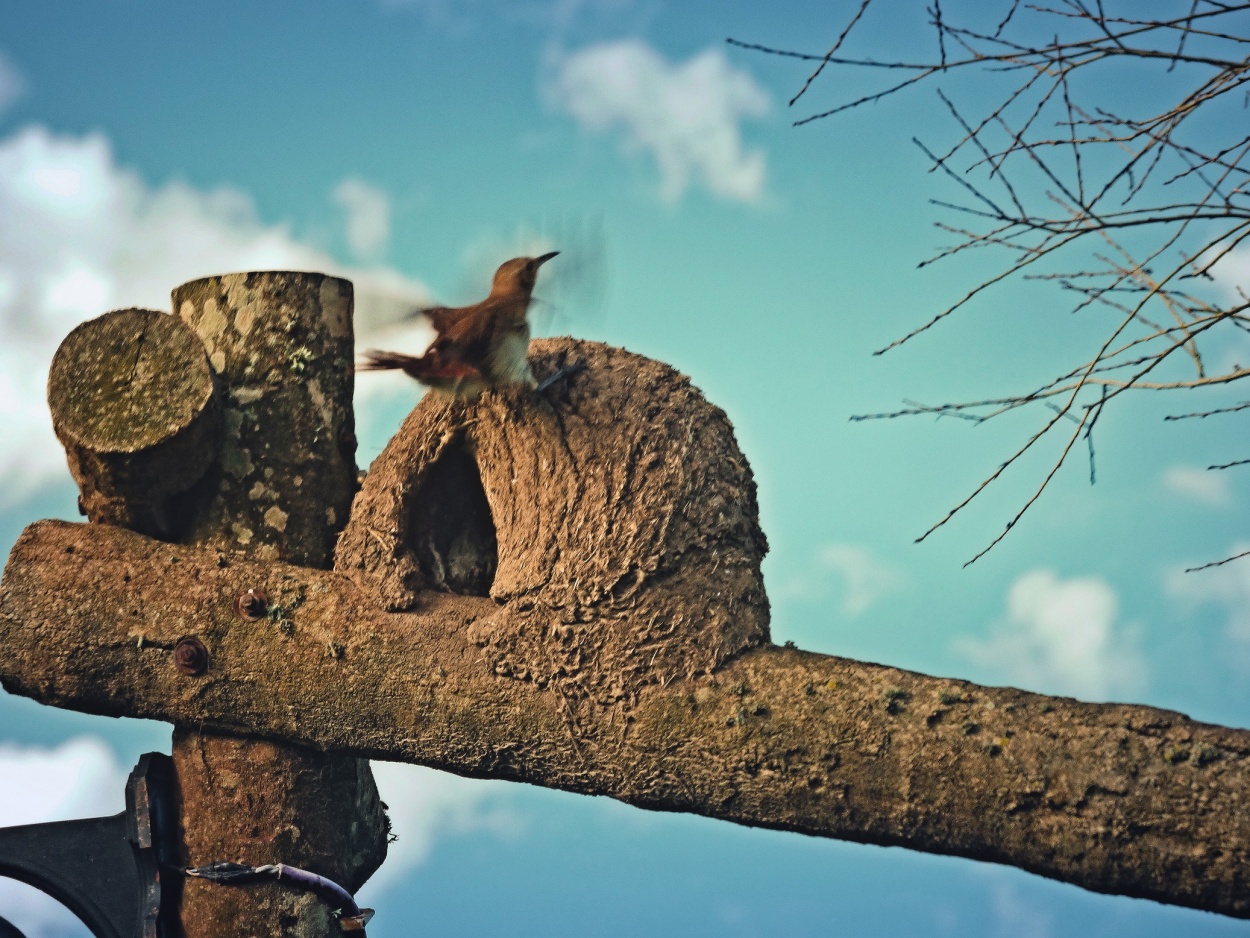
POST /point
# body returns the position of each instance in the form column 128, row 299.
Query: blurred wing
column 440, row 317
column 378, row 360
column 467, row 337
column 575, row 289
column 572, row 291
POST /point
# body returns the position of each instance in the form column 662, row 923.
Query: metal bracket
column 106, row 870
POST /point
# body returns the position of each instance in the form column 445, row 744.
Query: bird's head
column 518, row 275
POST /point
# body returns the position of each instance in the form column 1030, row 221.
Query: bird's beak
column 539, row 261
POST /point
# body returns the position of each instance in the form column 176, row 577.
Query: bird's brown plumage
column 476, row 347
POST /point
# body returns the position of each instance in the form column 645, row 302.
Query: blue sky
column 412, row 146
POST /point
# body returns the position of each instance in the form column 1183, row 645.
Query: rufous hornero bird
column 480, row 346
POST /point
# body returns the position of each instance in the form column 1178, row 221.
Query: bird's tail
column 431, row 368
column 377, row 360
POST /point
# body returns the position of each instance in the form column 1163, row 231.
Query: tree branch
column 1115, row 798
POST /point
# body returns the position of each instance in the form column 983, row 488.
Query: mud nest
column 612, row 520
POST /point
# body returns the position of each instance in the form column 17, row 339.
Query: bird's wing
column 469, row 335
column 378, row 360
column 440, row 317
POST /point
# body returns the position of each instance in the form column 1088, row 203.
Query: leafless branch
column 1050, row 165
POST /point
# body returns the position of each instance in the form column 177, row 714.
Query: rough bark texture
column 133, row 403
column 619, row 519
column 280, row 345
column 1115, row 798
column 564, row 589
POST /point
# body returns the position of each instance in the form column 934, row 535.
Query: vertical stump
column 281, row 347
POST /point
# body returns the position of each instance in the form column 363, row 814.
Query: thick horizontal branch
column 1115, row 798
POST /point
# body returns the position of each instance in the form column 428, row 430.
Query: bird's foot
column 561, row 373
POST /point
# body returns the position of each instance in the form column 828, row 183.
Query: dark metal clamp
column 106, row 870
column 112, row 872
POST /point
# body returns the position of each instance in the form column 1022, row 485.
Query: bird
column 477, row 347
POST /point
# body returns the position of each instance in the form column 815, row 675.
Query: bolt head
column 190, row 656
column 251, row 605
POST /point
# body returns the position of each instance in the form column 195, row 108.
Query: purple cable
column 351, row 916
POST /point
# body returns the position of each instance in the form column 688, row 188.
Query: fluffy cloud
column 686, row 115
column 862, row 579
column 424, row 804
column 82, row 235
column 1015, row 915
column 1200, row 485
column 1227, row 586
column 865, row 579
column 80, row 778
column 12, row 84
column 368, row 216
column 1060, row 637
column 1232, row 275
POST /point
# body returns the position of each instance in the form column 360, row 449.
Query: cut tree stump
column 281, row 347
column 133, row 402
column 229, row 426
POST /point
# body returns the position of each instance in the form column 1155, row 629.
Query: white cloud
column 82, row 235
column 865, row 579
column 686, row 115
column 1013, row 915
column 1227, row 586
column 80, row 778
column 1232, row 275
column 368, row 216
column 12, row 83
column 1200, row 485
column 423, row 805
column 1060, row 637
column 862, row 577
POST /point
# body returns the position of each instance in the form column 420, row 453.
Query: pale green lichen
column 299, row 359
column 245, row 318
column 212, row 324
column 236, row 461
column 1175, row 754
column 1203, row 755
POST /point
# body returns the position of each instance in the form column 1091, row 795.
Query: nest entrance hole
column 451, row 529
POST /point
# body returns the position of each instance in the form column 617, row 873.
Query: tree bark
column 1115, row 798
column 598, row 624
column 134, row 404
column 281, row 347
column 230, row 426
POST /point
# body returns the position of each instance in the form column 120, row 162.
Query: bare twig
column 1165, row 197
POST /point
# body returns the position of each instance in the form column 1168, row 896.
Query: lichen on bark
column 135, row 406
column 603, row 630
